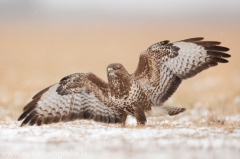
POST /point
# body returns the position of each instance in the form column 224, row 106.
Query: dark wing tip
column 219, row 59
column 31, row 116
column 193, row 39
column 216, row 48
column 218, row 54
column 31, row 103
column 41, row 92
column 207, row 43
column 164, row 42
column 64, row 78
column 25, row 113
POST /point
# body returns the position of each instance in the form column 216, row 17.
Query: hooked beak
column 109, row 70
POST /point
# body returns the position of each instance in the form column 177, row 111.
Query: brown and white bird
column 161, row 69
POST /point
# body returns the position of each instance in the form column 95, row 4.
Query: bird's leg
column 140, row 115
column 123, row 119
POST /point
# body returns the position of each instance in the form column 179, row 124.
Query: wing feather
column 163, row 66
column 77, row 96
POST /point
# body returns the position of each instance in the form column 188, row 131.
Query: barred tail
column 164, row 110
column 174, row 110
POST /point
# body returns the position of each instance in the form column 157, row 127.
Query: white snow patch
column 89, row 139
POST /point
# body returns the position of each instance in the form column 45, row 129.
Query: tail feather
column 157, row 111
column 174, row 110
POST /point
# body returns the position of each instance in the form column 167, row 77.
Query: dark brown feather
column 29, row 117
column 98, row 117
column 24, row 114
column 65, row 116
column 31, row 103
column 33, row 121
column 218, row 59
column 118, row 120
column 193, row 39
column 216, row 48
column 57, row 117
column 40, row 120
column 207, row 43
column 87, row 114
column 173, row 87
column 49, row 119
column 198, row 69
column 218, row 54
column 164, row 42
column 74, row 115
column 41, row 92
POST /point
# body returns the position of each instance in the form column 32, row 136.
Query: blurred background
column 43, row 41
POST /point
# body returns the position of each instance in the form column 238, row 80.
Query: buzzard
column 161, row 69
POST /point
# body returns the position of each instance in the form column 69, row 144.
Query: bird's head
column 115, row 69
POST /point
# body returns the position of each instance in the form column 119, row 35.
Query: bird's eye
column 115, row 68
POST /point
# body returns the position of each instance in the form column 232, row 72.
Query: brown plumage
column 161, row 69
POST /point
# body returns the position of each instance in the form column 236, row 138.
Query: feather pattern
column 78, row 96
column 161, row 74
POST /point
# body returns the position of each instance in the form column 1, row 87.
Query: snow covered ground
column 88, row 139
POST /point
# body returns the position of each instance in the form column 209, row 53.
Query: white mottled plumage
column 161, row 69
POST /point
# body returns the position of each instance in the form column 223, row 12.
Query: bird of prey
column 161, row 69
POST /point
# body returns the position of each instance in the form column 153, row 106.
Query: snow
column 89, row 139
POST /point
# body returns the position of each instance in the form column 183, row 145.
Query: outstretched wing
column 77, row 96
column 164, row 65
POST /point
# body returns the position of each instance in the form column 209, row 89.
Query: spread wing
column 77, row 96
column 164, row 65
